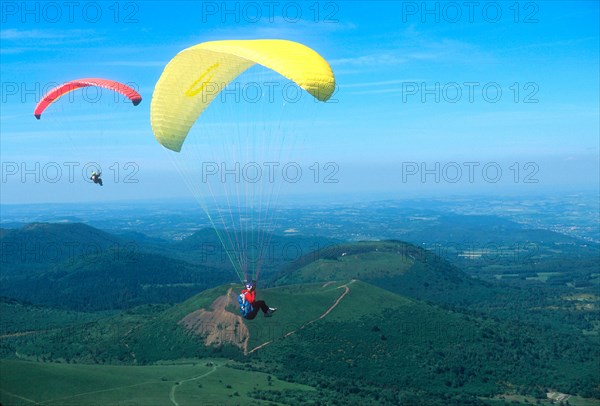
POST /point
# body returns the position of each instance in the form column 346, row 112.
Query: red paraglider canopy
column 58, row 91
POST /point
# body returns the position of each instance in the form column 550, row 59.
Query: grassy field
column 18, row 317
column 297, row 305
column 364, row 265
column 206, row 382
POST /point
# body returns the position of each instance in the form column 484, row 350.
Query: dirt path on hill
column 22, row 333
column 346, row 291
column 178, row 384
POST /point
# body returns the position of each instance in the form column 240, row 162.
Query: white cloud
column 17, row 41
column 379, row 91
column 13, row 34
column 380, row 83
column 408, row 46
column 138, row 64
column 371, row 60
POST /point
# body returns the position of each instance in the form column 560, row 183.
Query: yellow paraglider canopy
column 196, row 75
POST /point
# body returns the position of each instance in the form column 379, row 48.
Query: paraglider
column 249, row 306
column 96, row 178
column 57, row 92
column 249, row 134
column 65, row 88
column 203, row 70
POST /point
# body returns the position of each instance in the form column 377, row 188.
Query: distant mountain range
column 78, row 267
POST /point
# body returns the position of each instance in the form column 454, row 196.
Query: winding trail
column 22, row 333
column 346, row 291
column 176, row 385
column 19, row 397
column 153, row 382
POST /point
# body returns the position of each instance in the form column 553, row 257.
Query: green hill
column 78, row 267
column 114, row 280
column 37, row 246
column 204, row 247
column 396, row 266
column 414, row 272
column 348, row 339
column 19, row 318
column 207, row 324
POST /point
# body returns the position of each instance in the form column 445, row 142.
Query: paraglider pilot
column 249, row 307
column 96, row 178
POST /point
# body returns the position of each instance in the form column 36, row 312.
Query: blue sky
column 437, row 98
